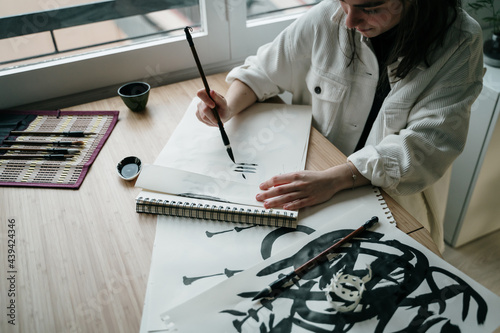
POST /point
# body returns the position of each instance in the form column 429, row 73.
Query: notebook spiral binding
column 382, row 202
column 267, row 217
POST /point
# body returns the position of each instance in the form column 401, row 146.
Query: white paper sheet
column 273, row 136
column 194, row 185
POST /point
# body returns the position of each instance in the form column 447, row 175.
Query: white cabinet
column 473, row 207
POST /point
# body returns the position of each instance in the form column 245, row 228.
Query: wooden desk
column 82, row 257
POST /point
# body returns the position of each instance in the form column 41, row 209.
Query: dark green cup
column 135, row 95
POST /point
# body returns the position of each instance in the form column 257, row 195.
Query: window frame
column 248, row 35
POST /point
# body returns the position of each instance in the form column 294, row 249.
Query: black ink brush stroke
column 202, row 197
column 268, row 241
column 398, row 270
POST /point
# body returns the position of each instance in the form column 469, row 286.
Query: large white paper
column 406, row 288
column 191, row 256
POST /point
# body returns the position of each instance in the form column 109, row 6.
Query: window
column 66, row 47
column 30, row 32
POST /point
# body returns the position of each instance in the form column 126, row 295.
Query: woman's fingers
column 301, row 189
column 216, row 101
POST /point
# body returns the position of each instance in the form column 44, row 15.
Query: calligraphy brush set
column 58, row 150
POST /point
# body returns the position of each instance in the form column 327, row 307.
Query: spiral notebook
column 194, row 177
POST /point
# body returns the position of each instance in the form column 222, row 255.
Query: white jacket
column 422, row 125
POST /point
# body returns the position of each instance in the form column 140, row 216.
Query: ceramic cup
column 135, row 95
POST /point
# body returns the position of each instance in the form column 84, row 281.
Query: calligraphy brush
column 50, row 150
column 289, row 279
column 55, row 143
column 71, row 133
column 225, row 138
column 34, row 157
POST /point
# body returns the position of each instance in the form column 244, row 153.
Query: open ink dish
column 129, row 168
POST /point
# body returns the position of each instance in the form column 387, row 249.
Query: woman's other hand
column 296, row 190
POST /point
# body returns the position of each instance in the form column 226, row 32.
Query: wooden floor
column 480, row 260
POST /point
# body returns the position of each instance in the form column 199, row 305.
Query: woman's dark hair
column 422, row 28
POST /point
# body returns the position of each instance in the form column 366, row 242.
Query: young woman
column 391, row 84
